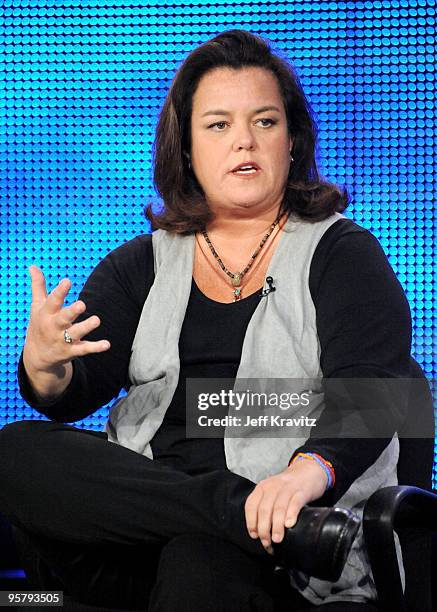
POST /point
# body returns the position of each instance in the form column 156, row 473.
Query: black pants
column 117, row 529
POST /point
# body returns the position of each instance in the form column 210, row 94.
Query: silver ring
column 68, row 339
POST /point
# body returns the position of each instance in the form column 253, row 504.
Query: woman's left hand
column 276, row 501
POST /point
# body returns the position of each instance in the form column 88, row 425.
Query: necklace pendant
column 237, row 294
column 236, row 279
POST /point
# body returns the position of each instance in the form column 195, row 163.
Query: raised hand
column 53, row 340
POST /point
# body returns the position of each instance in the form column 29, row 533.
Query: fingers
column 279, row 515
column 79, row 330
column 87, row 347
column 47, row 344
column 38, row 285
column 285, row 513
column 69, row 314
column 55, row 300
column 258, row 510
column 270, row 508
column 78, row 347
column 269, row 512
column 251, row 511
column 276, row 501
column 297, row 502
column 265, row 511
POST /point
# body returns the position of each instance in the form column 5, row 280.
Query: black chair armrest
column 393, row 509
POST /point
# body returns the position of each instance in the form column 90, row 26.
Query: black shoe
column 319, row 542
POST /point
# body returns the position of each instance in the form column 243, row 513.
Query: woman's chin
column 258, row 204
column 243, row 205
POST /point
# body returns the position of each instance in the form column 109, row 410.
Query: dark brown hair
column 184, row 207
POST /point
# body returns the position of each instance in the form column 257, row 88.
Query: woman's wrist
column 47, row 385
column 318, row 460
column 311, row 477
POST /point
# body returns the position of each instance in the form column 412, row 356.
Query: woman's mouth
column 246, row 170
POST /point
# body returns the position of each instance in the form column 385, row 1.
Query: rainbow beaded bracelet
column 326, row 465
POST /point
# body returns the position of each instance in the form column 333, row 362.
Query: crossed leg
column 116, row 527
column 102, row 518
column 73, row 485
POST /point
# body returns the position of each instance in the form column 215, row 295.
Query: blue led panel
column 83, row 83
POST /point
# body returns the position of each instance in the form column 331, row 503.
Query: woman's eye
column 218, row 124
column 269, row 122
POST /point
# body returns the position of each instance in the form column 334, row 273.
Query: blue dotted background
column 81, row 87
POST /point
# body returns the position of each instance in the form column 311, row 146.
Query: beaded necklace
column 237, row 277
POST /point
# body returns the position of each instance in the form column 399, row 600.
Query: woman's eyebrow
column 263, row 109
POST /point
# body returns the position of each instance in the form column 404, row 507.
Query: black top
column 210, row 346
column 363, row 324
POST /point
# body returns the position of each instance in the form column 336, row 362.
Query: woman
column 252, row 273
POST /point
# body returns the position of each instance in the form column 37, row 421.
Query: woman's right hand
column 47, row 356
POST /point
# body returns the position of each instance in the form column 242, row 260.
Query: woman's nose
column 244, row 139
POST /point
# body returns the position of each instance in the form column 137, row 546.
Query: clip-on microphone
column 269, row 281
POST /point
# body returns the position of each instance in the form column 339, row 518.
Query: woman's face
column 238, row 116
